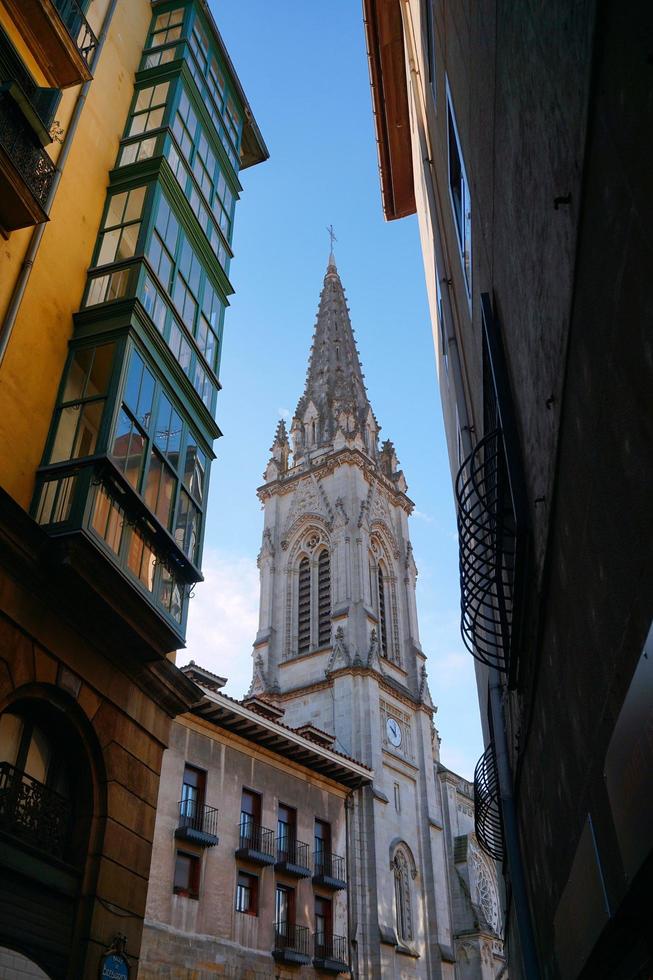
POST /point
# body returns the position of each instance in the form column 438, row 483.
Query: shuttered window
column 304, row 608
column 324, row 598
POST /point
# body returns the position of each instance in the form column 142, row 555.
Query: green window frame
column 200, row 209
column 166, row 27
column 219, row 101
column 118, row 238
column 137, row 150
column 77, row 424
column 158, row 452
column 148, row 108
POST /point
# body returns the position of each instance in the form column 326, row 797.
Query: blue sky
column 304, row 68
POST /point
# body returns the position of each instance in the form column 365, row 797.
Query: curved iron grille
column 487, row 541
column 30, row 160
column 487, row 811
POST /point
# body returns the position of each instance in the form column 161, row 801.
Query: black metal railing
column 255, row 838
column 78, row 27
column 328, row 865
column 33, row 812
column 292, row 851
column 487, row 809
column 28, row 157
column 194, row 815
column 291, row 938
column 488, row 542
column 330, row 947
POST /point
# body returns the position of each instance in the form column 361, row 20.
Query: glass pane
column 128, row 154
column 118, row 285
column 64, row 502
column 98, row 381
column 77, row 374
column 66, row 428
column 46, row 503
column 134, row 204
column 155, row 118
column 143, row 99
column 166, row 497
column 38, row 756
column 161, row 91
column 174, row 439
column 108, row 246
column 127, row 243
column 153, row 482
column 11, row 729
column 88, row 429
column 146, row 148
column 133, row 383
column 163, row 420
column 144, row 411
column 147, row 567
column 194, row 471
column 97, row 290
column 116, row 209
column 135, row 553
column 138, row 124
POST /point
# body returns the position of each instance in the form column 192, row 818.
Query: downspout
column 508, row 809
column 349, row 805
column 20, row 286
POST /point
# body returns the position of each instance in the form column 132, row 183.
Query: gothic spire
column 334, row 396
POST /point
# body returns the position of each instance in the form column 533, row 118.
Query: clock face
column 393, row 728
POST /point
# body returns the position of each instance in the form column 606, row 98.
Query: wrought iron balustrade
column 78, row 27
column 291, row 851
column 33, row 812
column 330, row 947
column 487, row 808
column 197, row 822
column 28, row 157
column 291, row 938
column 329, row 866
column 487, row 537
column 253, row 837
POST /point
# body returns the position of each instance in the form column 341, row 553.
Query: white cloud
column 421, row 516
column 223, row 619
column 284, row 413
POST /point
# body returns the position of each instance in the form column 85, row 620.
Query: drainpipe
column 504, row 774
column 349, row 805
column 9, row 321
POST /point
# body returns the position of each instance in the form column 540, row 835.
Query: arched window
column 304, row 607
column 383, row 627
column 403, row 909
column 44, row 783
column 324, row 598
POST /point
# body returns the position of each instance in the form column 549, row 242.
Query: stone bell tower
column 338, row 645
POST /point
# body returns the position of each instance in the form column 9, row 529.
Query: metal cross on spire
column 332, row 238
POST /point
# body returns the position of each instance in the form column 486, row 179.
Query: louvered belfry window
column 324, row 599
column 304, row 607
column 383, row 629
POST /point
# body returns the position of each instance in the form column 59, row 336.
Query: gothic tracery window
column 383, row 629
column 402, row 875
column 313, row 609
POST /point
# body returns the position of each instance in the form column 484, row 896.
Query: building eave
column 387, row 68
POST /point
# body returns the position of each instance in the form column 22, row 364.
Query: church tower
column 338, row 646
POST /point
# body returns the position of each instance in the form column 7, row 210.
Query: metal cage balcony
column 291, row 943
column 197, row 823
column 487, row 808
column 487, row 534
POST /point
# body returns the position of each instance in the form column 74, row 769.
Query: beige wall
column 184, row 934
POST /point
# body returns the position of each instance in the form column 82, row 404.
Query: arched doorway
column 46, row 808
column 13, row 965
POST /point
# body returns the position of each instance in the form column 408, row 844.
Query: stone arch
column 19, row 965
column 310, row 540
column 62, row 815
column 404, row 870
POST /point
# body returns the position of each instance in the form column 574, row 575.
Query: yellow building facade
column 123, row 127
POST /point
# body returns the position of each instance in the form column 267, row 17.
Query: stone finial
column 388, row 459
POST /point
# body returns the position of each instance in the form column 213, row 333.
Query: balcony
column 329, row 870
column 488, row 823
column 33, row 813
column 292, row 857
column 59, row 36
column 197, row 823
column 26, row 170
column 330, row 953
column 291, row 943
column 255, row 843
column 112, row 545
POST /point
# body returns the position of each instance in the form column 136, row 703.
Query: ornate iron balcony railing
column 33, row 812
column 488, row 544
column 291, row 938
column 29, row 158
column 328, row 865
column 330, row 947
column 78, row 27
column 487, row 809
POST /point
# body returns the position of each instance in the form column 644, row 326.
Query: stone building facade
column 338, row 669
column 517, row 134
